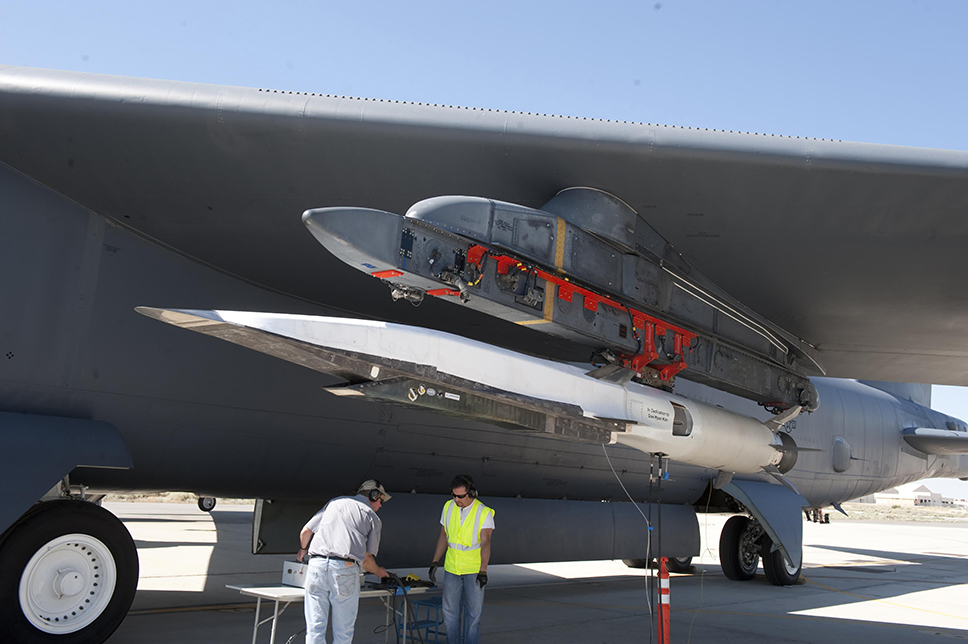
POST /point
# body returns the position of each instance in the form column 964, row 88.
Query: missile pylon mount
column 586, row 268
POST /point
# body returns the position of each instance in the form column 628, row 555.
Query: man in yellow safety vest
column 465, row 534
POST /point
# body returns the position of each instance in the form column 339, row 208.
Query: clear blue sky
column 877, row 71
column 884, row 71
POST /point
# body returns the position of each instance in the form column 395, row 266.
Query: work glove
column 432, row 573
column 482, row 579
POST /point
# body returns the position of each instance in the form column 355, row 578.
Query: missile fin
column 797, row 449
column 775, row 473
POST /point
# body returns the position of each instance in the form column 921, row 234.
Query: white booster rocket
column 453, row 375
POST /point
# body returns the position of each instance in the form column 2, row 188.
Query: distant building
column 910, row 495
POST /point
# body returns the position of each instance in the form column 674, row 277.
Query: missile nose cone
column 358, row 236
column 326, row 222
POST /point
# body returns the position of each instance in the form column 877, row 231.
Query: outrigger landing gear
column 68, row 574
column 743, row 543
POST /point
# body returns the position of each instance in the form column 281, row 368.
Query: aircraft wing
column 855, row 248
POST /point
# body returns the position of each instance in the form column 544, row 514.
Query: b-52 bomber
column 557, row 307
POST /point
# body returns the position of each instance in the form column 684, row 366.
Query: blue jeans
column 458, row 590
column 331, row 583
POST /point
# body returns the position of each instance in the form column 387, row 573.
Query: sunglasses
column 458, row 496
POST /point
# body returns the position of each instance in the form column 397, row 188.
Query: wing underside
column 855, row 248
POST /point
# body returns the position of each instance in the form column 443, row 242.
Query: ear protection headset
column 375, row 494
column 468, row 484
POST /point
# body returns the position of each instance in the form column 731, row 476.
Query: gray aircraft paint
column 809, row 233
column 119, row 193
column 205, row 416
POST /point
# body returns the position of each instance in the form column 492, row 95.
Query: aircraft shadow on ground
column 704, row 602
column 716, row 609
column 230, row 560
column 949, row 562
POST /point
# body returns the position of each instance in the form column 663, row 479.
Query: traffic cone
column 664, row 606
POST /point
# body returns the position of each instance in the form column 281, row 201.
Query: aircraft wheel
column 777, row 570
column 679, row 564
column 206, row 503
column 68, row 574
column 739, row 549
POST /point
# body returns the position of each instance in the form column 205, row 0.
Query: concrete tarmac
column 864, row 582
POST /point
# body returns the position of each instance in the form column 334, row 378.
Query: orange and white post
column 664, row 606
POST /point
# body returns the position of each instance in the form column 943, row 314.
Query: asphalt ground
column 864, row 581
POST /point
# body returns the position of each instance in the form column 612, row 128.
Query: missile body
column 453, row 375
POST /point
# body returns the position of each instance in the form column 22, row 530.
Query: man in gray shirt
column 337, row 541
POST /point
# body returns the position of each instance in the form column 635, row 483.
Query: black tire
column 636, row 563
column 206, row 503
column 33, row 534
column 775, row 566
column 738, row 562
column 679, row 564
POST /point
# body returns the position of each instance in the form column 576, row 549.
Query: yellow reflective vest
column 464, row 538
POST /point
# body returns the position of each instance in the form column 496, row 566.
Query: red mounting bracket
column 642, row 322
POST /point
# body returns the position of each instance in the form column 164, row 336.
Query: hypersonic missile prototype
column 453, row 375
column 584, row 267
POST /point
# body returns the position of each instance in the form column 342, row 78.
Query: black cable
column 407, row 607
column 635, row 332
column 289, row 641
column 650, row 582
column 411, row 625
column 480, row 269
column 393, row 619
column 659, row 539
column 702, row 576
column 395, row 581
column 648, row 533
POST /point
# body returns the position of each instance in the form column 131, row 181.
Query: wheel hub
column 749, row 550
column 68, row 583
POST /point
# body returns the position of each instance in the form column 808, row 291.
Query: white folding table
column 286, row 595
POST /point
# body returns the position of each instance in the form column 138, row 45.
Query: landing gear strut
column 68, row 574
